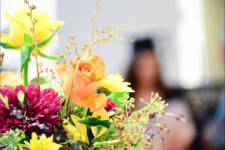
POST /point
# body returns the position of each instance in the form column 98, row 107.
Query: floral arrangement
column 84, row 108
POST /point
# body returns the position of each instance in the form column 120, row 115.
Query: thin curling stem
column 93, row 24
column 72, row 86
column 34, row 21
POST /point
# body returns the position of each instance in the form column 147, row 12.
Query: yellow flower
column 8, row 78
column 20, row 23
column 103, row 116
column 43, row 143
column 114, row 83
column 79, row 131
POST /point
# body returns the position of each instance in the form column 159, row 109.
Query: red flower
column 110, row 104
column 38, row 111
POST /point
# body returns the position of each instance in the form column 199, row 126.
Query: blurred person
column 144, row 76
column 214, row 132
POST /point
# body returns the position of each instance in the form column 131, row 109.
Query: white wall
column 166, row 20
column 133, row 18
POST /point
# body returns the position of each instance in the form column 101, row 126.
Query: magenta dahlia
column 38, row 111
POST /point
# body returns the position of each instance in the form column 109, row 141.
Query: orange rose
column 90, row 72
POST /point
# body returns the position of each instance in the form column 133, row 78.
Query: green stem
column 25, row 75
column 46, row 56
column 85, row 111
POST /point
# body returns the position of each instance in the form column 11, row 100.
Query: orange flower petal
column 84, row 88
column 99, row 67
column 66, row 76
column 75, row 99
column 99, row 102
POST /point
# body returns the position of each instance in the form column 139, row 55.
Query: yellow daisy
column 115, row 83
column 43, row 143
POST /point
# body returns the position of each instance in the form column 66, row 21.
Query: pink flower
column 110, row 104
column 38, row 112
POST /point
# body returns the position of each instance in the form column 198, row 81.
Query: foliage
column 130, row 127
column 12, row 140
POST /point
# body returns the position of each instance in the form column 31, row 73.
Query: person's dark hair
column 143, row 45
column 140, row 46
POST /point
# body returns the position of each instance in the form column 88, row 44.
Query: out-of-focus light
column 190, row 40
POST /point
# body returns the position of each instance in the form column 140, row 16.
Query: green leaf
column 20, row 96
column 42, row 80
column 8, row 46
column 25, row 56
column 110, row 132
column 90, row 134
column 95, row 122
column 43, row 43
column 46, row 56
column 118, row 95
column 5, row 100
column 28, row 40
column 105, row 91
column 74, row 146
column 99, row 144
column 64, row 108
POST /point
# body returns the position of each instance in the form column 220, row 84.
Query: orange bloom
column 91, row 71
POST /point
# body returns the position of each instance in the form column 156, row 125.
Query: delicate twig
column 33, row 21
column 72, row 86
column 1, row 62
column 1, row 58
column 93, row 24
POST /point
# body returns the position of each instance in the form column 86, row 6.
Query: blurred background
column 178, row 51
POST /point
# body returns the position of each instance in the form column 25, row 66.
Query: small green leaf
column 95, row 122
column 105, row 91
column 5, row 100
column 43, row 43
column 46, row 56
column 116, row 96
column 42, row 80
column 20, row 96
column 8, row 46
column 28, row 40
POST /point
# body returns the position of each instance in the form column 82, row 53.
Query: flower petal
column 5, row 38
column 44, row 31
column 17, row 29
column 99, row 102
column 103, row 116
column 17, row 21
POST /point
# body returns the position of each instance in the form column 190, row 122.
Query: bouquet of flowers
column 77, row 106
